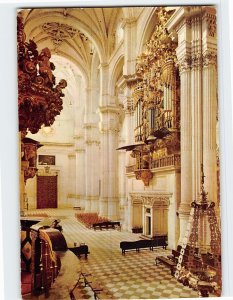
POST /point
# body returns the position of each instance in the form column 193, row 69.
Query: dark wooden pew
column 106, row 225
column 167, row 262
column 160, row 241
column 80, row 250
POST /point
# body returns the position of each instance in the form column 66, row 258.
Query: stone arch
column 146, row 30
column 116, row 72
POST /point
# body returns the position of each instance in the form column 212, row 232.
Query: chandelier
column 199, row 264
column 39, row 98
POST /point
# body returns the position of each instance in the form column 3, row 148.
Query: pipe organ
column 156, row 100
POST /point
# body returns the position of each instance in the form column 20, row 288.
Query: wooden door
column 46, row 191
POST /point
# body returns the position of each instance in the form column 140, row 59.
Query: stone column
column 209, row 50
column 71, row 197
column 80, row 176
column 92, row 152
column 92, row 168
column 79, row 144
column 184, row 60
column 109, row 201
column 197, row 109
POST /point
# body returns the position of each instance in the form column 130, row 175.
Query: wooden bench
column 159, row 241
column 106, row 225
column 80, row 250
column 167, row 262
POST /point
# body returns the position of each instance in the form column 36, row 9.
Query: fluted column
column 130, row 40
column 184, row 60
column 197, row 109
column 210, row 102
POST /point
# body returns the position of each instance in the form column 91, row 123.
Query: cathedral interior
column 119, row 152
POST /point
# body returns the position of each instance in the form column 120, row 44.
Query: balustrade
column 168, row 161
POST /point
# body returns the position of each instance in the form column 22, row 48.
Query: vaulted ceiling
column 76, row 33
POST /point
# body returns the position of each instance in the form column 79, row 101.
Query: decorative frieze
column 211, row 24
column 154, row 199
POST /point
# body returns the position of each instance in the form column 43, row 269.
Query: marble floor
column 133, row 276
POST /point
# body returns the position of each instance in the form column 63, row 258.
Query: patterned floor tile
column 130, row 276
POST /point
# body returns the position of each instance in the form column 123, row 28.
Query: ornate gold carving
column 144, row 175
column 156, row 87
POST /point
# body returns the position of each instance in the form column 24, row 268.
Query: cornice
column 109, row 109
column 57, row 144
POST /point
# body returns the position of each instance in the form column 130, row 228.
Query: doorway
column 148, row 225
column 46, row 191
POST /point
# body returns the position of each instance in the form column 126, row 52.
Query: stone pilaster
column 72, row 175
column 92, row 168
column 184, row 60
column 196, row 98
column 130, row 39
column 209, row 52
column 109, row 201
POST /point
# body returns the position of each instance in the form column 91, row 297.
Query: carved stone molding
column 131, row 80
column 185, row 63
column 184, row 22
column 92, row 142
column 109, row 109
column 154, row 199
column 58, row 32
column 211, row 24
column 79, row 150
column 196, row 60
column 209, row 58
column 89, row 126
column 109, row 131
column 184, row 209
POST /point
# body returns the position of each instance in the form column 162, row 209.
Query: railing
column 171, row 160
column 130, row 169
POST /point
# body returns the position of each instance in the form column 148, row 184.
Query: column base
column 184, row 213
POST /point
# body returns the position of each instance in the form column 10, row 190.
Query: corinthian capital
column 209, row 58
column 196, row 60
column 184, row 63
